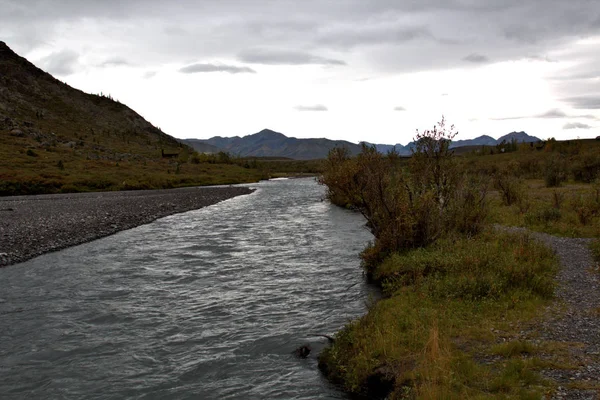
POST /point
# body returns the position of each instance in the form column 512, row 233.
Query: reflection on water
column 206, row 304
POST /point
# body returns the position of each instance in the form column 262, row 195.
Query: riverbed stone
column 40, row 224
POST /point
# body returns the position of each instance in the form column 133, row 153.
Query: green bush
column 554, row 171
column 510, row 187
column 586, row 206
column 407, row 207
column 586, row 167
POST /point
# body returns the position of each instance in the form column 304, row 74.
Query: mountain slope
column 200, row 146
column 56, row 138
column 42, row 107
column 520, row 137
column 268, row 143
column 483, row 140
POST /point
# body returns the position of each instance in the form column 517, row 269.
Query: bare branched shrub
column 469, row 208
column 509, row 186
column 407, row 207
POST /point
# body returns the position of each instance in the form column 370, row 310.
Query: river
column 207, row 304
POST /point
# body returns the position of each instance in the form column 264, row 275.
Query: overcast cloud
column 576, row 125
column 316, row 107
column 513, row 65
column 232, row 69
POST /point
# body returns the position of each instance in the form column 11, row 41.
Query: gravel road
column 34, row 225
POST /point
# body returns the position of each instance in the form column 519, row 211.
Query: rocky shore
column 34, row 225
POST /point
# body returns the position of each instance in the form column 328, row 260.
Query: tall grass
column 459, row 291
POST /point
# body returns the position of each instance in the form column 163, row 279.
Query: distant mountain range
column 484, row 140
column 268, row 143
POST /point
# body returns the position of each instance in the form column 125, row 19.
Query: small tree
column 432, row 164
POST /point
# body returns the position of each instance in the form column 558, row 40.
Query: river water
column 207, row 304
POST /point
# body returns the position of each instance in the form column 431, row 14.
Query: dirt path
column 574, row 319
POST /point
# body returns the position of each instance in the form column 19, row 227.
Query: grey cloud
column 352, row 35
column 476, row 58
column 550, row 114
column 175, row 31
column 541, row 58
column 316, row 107
column 386, row 36
column 284, row 57
column 232, row 69
column 583, row 76
column 576, row 125
column 149, row 74
column 63, row 62
column 584, row 102
column 399, row 108
column 115, row 62
column 555, row 113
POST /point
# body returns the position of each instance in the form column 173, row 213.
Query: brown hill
column 33, row 103
column 57, row 138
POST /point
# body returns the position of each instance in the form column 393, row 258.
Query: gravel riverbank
column 573, row 320
column 34, row 225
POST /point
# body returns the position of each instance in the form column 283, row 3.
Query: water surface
column 207, row 304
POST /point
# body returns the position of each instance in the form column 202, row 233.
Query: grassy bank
column 92, row 164
column 459, row 294
column 449, row 324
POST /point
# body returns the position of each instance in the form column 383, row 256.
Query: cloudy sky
column 343, row 69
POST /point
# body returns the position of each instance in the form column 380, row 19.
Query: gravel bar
column 572, row 321
column 34, row 225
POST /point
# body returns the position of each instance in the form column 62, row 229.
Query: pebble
column 45, row 223
column 577, row 291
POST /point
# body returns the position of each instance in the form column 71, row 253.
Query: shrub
column 529, row 167
column 543, row 216
column 509, row 186
column 407, row 207
column 557, row 199
column 31, row 153
column 554, row 171
column 586, row 167
column 469, row 209
column 586, row 206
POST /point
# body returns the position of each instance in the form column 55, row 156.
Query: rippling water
column 206, row 304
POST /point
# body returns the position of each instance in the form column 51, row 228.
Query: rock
column 302, row 351
column 17, row 133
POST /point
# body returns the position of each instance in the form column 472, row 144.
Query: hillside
column 268, row 143
column 56, row 138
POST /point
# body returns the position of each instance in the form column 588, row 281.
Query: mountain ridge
column 269, row 143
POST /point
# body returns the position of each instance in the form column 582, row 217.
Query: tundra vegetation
column 114, row 160
column 457, row 291
column 54, row 138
